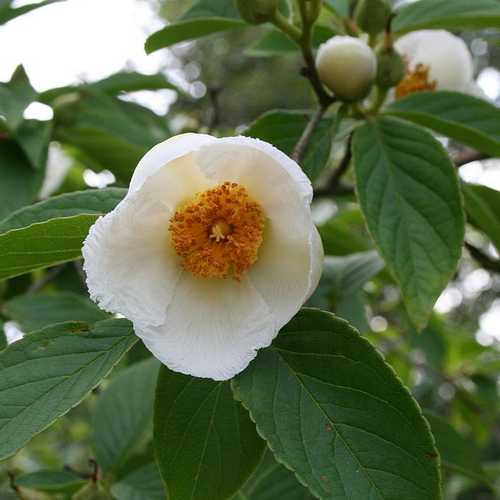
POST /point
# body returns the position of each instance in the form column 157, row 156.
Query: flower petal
column 213, row 328
column 166, row 151
column 130, row 265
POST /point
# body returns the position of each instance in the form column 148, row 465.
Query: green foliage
column 197, row 423
column 60, row 365
column 284, row 128
column 7, row 13
column 143, row 483
column 413, row 208
column 426, row 14
column 123, row 414
column 51, row 481
column 335, row 427
column 467, row 119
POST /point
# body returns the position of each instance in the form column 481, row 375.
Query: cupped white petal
column 161, row 154
column 446, row 55
column 213, row 328
column 130, row 265
column 288, row 257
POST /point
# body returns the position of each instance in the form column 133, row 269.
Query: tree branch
column 305, row 138
column 483, row 259
column 469, row 156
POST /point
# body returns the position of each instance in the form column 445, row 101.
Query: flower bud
column 390, row 68
column 257, row 11
column 347, row 66
column 372, row 16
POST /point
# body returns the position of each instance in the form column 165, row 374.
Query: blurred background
column 222, row 83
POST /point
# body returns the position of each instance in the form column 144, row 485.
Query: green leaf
column 142, row 484
column 8, row 13
column 272, row 481
column 47, row 373
column 409, row 194
column 189, row 29
column 466, row 119
column 446, row 14
column 283, row 129
column 482, row 205
column 15, row 96
column 333, row 411
column 125, row 81
column 457, row 452
column 39, row 310
column 90, row 201
column 123, row 414
column 34, row 137
column 205, row 444
column 276, row 43
column 43, row 244
column 51, row 481
column 114, row 134
column 19, row 183
column 341, row 7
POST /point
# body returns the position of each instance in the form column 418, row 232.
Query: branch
column 305, row 138
column 469, row 156
column 483, row 259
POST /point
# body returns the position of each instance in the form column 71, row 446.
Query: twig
column 469, row 156
column 301, row 146
column 482, row 258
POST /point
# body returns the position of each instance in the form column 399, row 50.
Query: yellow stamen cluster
column 219, row 233
column 415, row 81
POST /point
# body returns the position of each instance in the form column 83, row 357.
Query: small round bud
column 257, row 11
column 372, row 16
column 347, row 66
column 391, row 68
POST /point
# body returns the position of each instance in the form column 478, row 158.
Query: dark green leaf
column 142, row 484
column 448, row 14
column 283, row 129
column 48, row 372
column 466, row 119
column 205, row 444
column 51, row 481
column 19, row 183
column 189, row 29
column 34, row 137
column 126, row 81
column 90, row 201
column 276, row 43
column 409, row 193
column 123, row 414
column 37, row 311
column 457, row 452
column 272, row 481
column 15, row 96
column 482, row 205
column 7, row 12
column 333, row 411
column 43, row 244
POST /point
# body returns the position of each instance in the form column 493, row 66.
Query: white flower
column 211, row 252
column 436, row 59
column 347, row 66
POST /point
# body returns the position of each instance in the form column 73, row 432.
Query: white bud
column 347, row 66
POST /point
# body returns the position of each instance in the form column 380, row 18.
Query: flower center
column 415, row 81
column 219, row 233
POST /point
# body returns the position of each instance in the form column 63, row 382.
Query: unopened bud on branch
column 347, row 66
column 391, row 68
column 372, row 16
column 257, row 11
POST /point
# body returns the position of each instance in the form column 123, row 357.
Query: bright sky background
column 86, row 40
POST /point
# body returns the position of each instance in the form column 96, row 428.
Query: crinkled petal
column 130, row 265
column 213, row 328
column 158, row 156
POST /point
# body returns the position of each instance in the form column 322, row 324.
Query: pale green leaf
column 409, row 194
column 51, row 481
